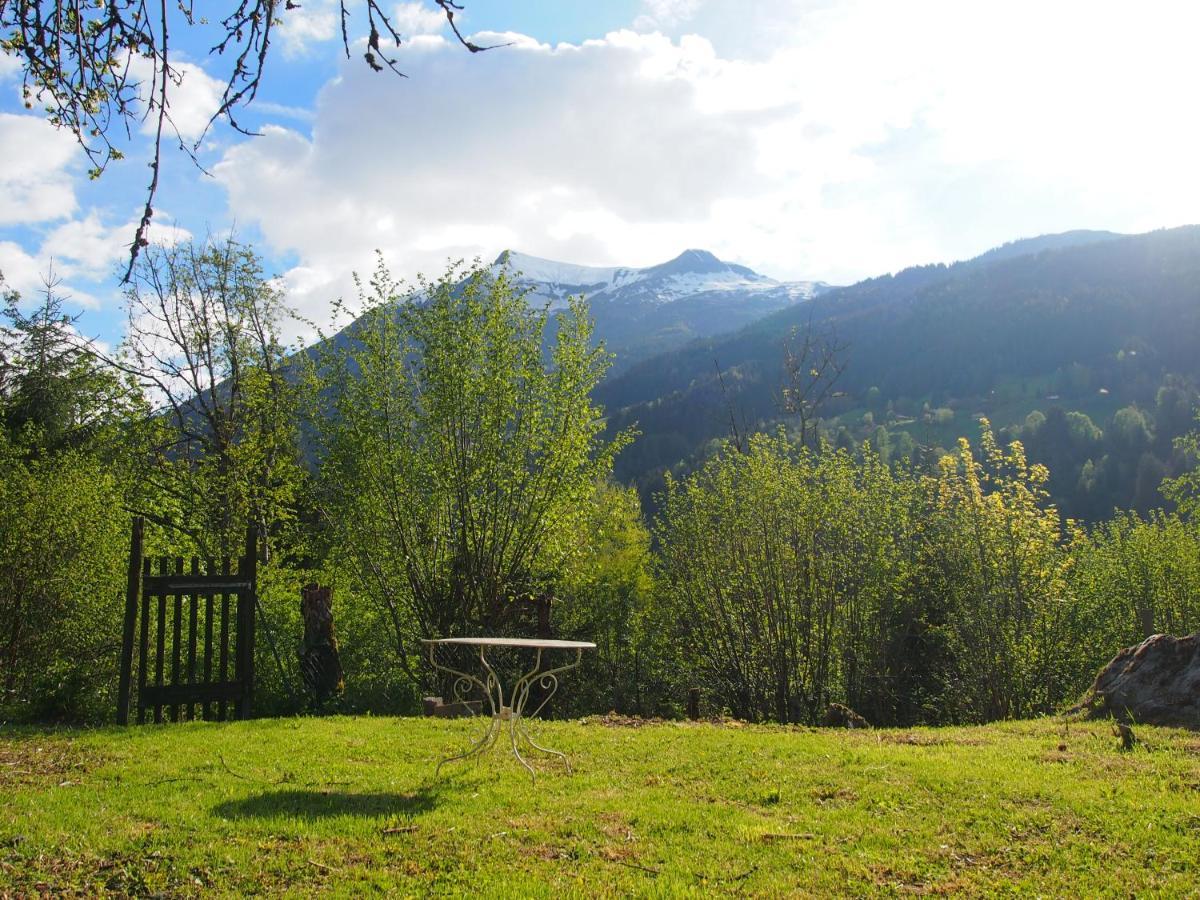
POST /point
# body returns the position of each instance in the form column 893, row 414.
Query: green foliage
column 456, row 460
column 1135, row 577
column 990, row 552
column 204, row 341
column 54, row 392
column 1082, row 430
column 604, row 597
column 457, row 469
column 1184, row 489
column 780, row 569
column 796, row 579
column 63, row 545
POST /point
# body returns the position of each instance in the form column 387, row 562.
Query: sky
column 807, row 139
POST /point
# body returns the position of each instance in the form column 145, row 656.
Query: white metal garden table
column 513, row 712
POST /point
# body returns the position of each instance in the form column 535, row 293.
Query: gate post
column 132, row 590
column 247, row 608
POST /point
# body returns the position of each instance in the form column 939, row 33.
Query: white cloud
column 413, row 18
column 28, row 275
column 88, row 248
column 319, row 21
column 194, row 100
column 85, row 250
column 35, row 184
column 19, row 270
column 309, row 23
column 9, row 66
column 191, row 100
column 657, row 14
column 807, row 139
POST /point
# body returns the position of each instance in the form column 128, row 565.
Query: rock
column 434, row 706
column 1155, row 683
column 839, row 716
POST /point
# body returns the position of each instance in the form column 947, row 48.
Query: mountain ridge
column 692, row 272
column 642, row 311
column 1086, row 321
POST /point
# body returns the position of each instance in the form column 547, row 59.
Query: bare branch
column 813, row 361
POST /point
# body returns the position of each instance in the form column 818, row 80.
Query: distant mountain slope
column 640, row 312
column 1029, row 246
column 1079, row 318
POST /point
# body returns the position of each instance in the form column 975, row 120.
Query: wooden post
column 176, row 638
column 693, row 703
column 160, row 635
column 193, row 616
column 223, row 705
column 132, row 589
column 144, row 646
column 210, row 567
column 247, row 602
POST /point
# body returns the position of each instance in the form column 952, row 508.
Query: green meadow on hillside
column 350, row 806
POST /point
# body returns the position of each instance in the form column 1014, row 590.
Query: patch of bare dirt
column 39, row 762
column 912, row 739
column 834, row 796
column 617, row 720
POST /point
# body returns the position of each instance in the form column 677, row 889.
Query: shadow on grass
column 318, row 804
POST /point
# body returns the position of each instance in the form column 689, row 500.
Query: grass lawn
column 350, row 806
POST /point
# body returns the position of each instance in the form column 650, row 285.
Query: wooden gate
column 193, row 624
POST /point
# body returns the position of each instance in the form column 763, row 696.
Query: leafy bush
column 63, row 553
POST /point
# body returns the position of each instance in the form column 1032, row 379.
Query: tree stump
column 320, row 664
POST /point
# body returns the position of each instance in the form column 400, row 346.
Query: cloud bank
column 805, row 138
column 861, row 137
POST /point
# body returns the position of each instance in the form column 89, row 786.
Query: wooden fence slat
column 209, row 566
column 144, row 648
column 247, row 603
column 222, row 709
column 184, row 583
column 193, row 612
column 160, row 658
column 176, row 637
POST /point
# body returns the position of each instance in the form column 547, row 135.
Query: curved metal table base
column 508, row 716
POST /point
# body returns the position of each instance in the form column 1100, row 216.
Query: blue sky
column 830, row 139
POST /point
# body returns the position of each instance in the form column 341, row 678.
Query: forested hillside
column 1083, row 345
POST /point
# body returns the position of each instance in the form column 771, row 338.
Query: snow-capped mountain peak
column 529, row 269
column 693, row 272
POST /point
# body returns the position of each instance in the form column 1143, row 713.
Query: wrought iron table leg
column 493, row 690
column 481, row 746
column 513, row 725
column 547, row 750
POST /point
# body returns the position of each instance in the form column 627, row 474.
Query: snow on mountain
column 692, row 273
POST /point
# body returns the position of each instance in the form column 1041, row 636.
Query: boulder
column 1155, row 683
column 435, row 706
column 840, row 716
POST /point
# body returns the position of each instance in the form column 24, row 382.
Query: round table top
column 539, row 643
